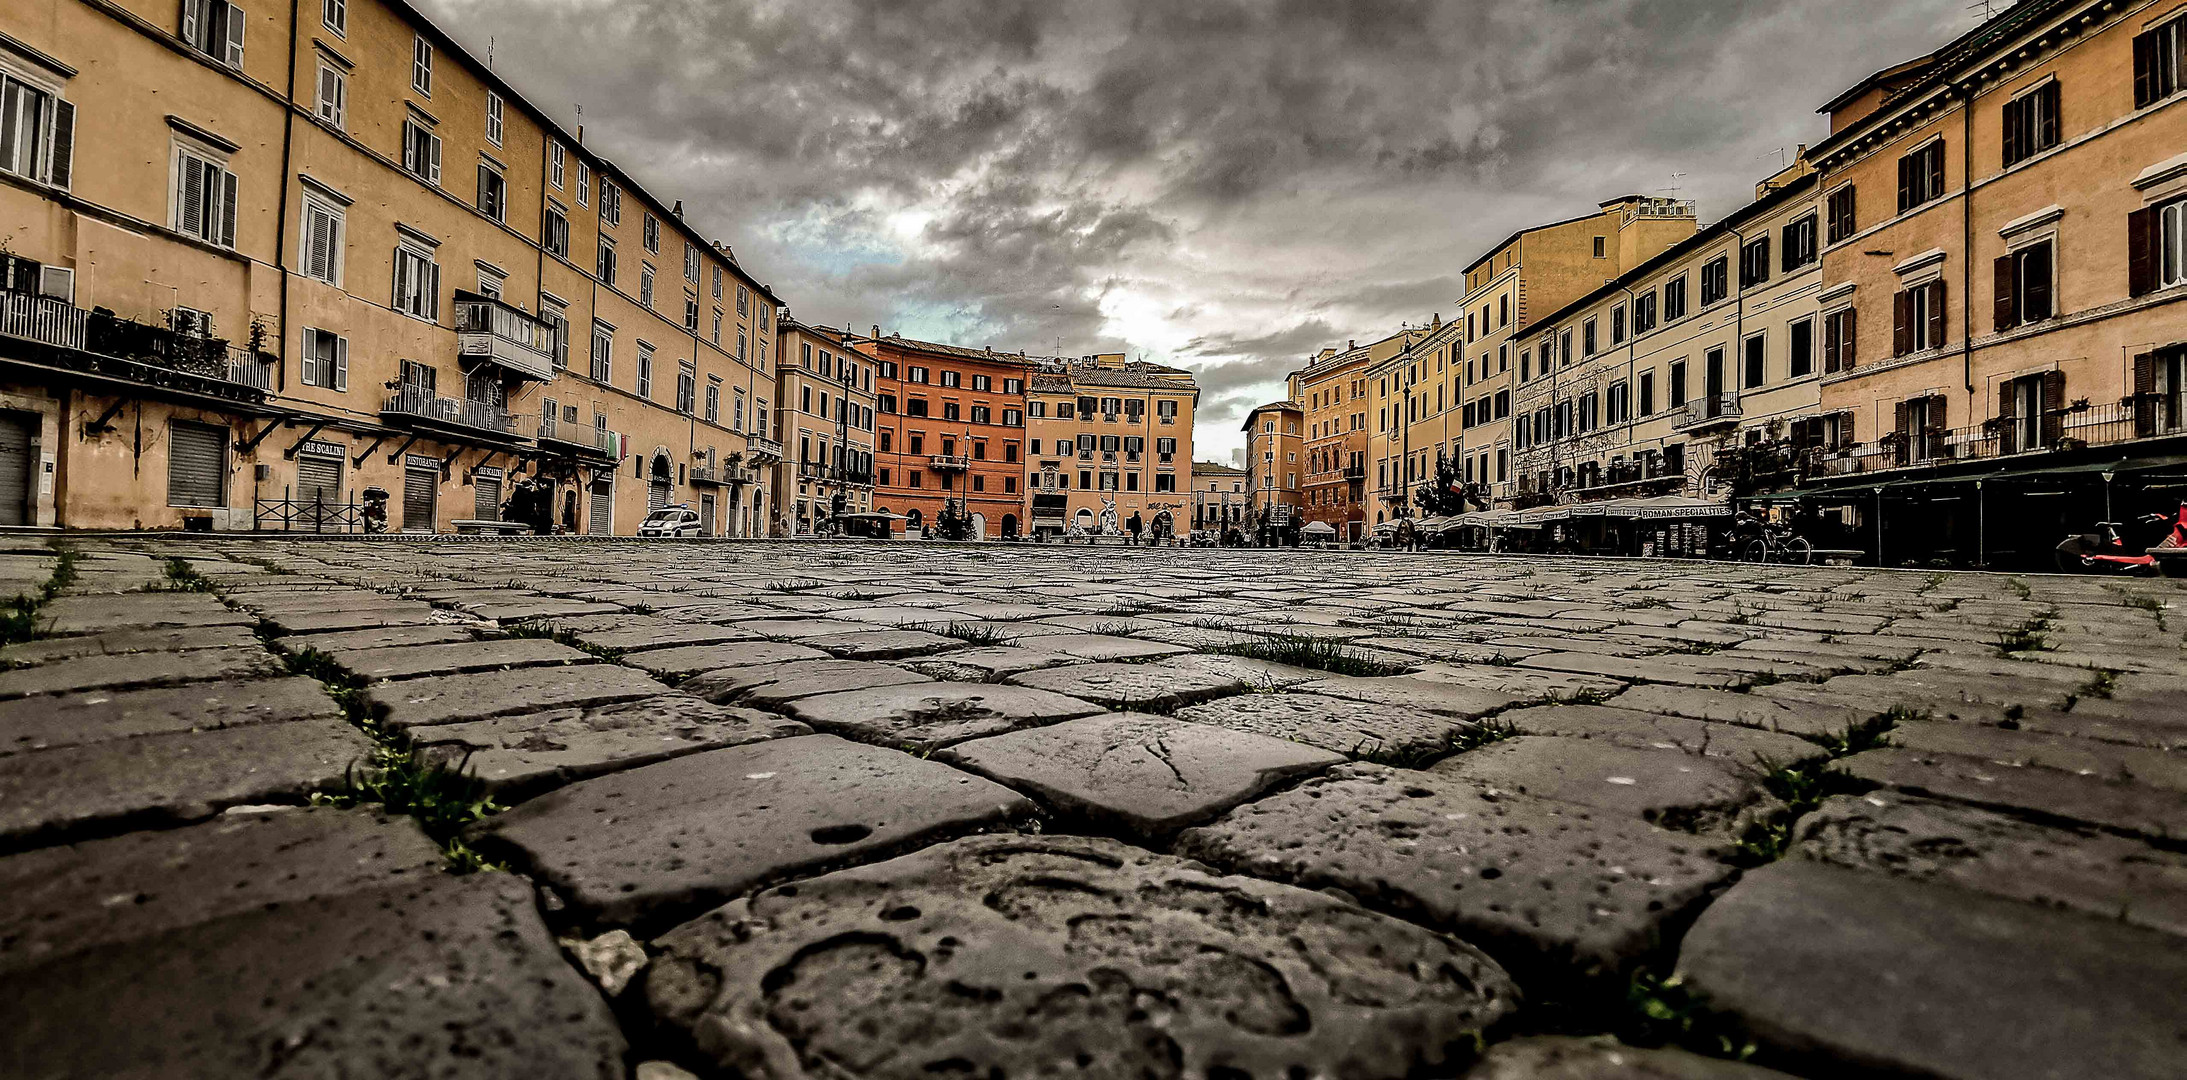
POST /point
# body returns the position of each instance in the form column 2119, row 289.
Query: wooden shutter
column 2035, row 276
column 62, row 155
column 2053, row 407
column 1849, row 348
column 2006, row 305
column 1833, row 340
column 234, row 21
column 192, row 18
column 226, row 179
column 2143, row 236
column 2048, row 117
column 190, row 194
column 432, row 146
column 341, row 363
column 1903, row 426
column 2145, row 395
column 2016, row 115
column 1902, row 327
column 2007, row 434
column 1935, row 156
column 2145, row 69
column 1905, row 183
column 1936, row 315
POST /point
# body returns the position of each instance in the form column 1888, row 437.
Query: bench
column 1837, row 556
column 475, row 527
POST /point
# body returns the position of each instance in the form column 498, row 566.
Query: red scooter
column 2105, row 551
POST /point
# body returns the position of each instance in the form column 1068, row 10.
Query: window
column 584, row 183
column 1715, row 281
column 215, row 28
column 555, row 234
column 1753, row 263
column 717, row 283
column 1757, row 361
column 1799, row 243
column 1647, row 393
column 652, row 233
column 335, row 14
column 645, row 284
column 1918, row 319
column 717, row 326
column 603, row 351
column 417, row 283
column 1842, row 204
column 915, row 407
column 558, row 330
column 2023, row 280
column 322, row 238
column 1838, row 330
column 949, row 410
column 1588, row 335
column 981, row 415
column 493, row 193
column 2031, row 123
column 982, row 383
column 1644, row 309
column 326, row 360
column 1014, row 386
column 604, row 265
column 691, row 314
column 421, row 152
column 744, row 300
column 493, row 118
column 611, row 202
column 916, row 375
column 887, row 403
column 1803, row 349
column 1617, row 325
column 1674, row 298
column 556, row 164
column 645, row 370
column 1678, row 383
column 687, row 388
column 1600, row 243
column 950, row 380
column 1921, row 176
column 205, row 195
column 333, row 94
column 421, row 67
column 2156, row 247
column 2159, row 57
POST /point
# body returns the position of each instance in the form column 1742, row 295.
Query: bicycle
column 1778, row 544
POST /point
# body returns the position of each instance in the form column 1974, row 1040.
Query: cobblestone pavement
column 609, row 809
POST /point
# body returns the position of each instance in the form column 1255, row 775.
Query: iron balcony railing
column 761, row 447
column 2071, row 428
column 1709, row 409
column 949, row 462
column 246, row 368
column 588, row 438
column 45, row 319
column 416, row 402
column 502, row 334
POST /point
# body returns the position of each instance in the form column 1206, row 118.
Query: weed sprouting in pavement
column 182, row 577
column 19, row 616
column 555, row 632
column 977, row 633
column 2026, row 637
column 1662, row 1011
column 1458, row 740
column 1313, row 653
column 1801, row 786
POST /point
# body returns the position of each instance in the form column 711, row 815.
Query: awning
column 1432, row 524
column 2121, row 467
column 1318, row 528
column 1668, row 507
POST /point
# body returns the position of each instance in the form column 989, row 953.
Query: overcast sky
column 1227, row 185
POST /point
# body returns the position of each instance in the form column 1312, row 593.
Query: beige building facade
column 825, row 422
column 1110, row 439
column 1274, row 447
column 252, row 306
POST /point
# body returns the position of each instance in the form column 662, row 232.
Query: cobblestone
column 921, row 792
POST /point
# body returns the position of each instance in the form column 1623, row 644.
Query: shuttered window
column 421, row 152
column 326, row 360
column 37, row 133
column 2022, row 291
column 205, row 195
column 1921, row 176
column 2031, row 123
column 417, row 284
column 2159, row 58
column 215, row 28
column 322, row 240
column 333, row 95
column 197, row 465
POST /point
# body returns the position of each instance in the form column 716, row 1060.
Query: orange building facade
column 949, row 427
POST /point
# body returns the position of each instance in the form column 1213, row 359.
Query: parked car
column 670, row 521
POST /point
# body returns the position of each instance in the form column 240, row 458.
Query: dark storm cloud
column 1229, row 184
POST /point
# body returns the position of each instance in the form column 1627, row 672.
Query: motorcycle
column 2105, row 551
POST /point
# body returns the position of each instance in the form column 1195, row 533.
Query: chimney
column 876, row 331
column 1438, row 321
column 1351, row 343
column 678, row 211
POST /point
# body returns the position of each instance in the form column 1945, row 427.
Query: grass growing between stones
column 1801, row 787
column 444, row 800
column 977, row 634
column 19, row 617
column 2026, row 637
column 554, row 632
column 1471, row 736
column 1661, row 1011
column 182, row 577
column 1313, row 653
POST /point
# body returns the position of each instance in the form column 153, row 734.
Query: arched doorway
column 913, row 521
column 1084, row 520
column 979, row 526
column 658, row 482
column 1009, row 526
column 1164, row 525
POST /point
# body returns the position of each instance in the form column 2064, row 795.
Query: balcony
column 491, row 332
column 583, row 440
column 949, row 462
column 417, row 406
column 762, row 451
column 52, row 332
column 1709, row 410
column 1355, row 473
column 2063, row 430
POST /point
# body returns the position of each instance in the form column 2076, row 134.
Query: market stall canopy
column 1319, row 528
column 1432, row 524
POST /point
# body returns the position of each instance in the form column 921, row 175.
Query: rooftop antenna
column 489, row 51
column 1984, row 10
column 1677, row 183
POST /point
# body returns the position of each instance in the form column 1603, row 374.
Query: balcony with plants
column 179, row 356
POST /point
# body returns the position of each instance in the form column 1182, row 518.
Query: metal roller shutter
column 603, row 508
column 197, row 465
column 318, row 490
column 487, row 488
column 420, row 493
column 18, row 463
column 656, row 494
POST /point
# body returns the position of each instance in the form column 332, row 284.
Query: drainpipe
column 1966, row 259
column 288, row 147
